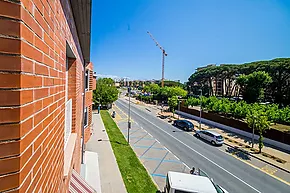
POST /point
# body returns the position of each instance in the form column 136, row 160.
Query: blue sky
column 193, row 32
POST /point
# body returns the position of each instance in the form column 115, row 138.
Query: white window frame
column 68, row 121
column 86, row 119
column 87, row 80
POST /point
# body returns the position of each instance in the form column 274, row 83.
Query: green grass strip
column 134, row 175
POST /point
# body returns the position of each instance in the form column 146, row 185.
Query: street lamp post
column 253, row 134
column 200, row 109
column 129, row 109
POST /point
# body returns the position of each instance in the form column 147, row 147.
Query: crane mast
column 163, row 56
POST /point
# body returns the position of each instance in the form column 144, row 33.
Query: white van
column 187, row 183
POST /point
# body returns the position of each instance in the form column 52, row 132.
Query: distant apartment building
column 46, row 83
column 220, row 86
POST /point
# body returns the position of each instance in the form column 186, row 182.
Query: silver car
column 211, row 136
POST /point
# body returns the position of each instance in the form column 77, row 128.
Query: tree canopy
column 106, row 92
column 278, row 69
column 253, row 85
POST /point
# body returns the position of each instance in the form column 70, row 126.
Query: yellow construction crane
column 163, row 56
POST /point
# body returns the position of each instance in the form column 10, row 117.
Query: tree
column 253, row 85
column 278, row 69
column 176, row 91
column 106, row 92
column 258, row 121
column 173, row 102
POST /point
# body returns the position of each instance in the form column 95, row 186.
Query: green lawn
column 134, row 174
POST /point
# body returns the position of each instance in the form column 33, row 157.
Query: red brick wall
column 32, row 96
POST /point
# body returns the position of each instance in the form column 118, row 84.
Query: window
column 86, row 117
column 87, row 79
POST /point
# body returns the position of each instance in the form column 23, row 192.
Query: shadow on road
column 238, row 153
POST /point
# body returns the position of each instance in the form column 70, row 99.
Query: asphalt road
column 227, row 171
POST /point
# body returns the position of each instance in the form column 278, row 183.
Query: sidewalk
column 111, row 179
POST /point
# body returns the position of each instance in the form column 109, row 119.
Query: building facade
column 44, row 60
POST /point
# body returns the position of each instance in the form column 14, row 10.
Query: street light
column 200, row 109
column 129, row 121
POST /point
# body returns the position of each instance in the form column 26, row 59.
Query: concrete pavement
column 110, row 176
column 156, row 158
column 229, row 172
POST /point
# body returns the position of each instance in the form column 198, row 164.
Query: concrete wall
column 234, row 130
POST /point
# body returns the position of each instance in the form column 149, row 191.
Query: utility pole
column 163, row 57
column 200, row 109
column 129, row 110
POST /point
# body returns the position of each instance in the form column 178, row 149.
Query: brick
column 47, row 121
column 41, row 45
column 9, row 28
column 24, row 185
column 9, row 181
column 29, row 81
column 40, row 116
column 31, row 52
column 26, row 33
column 48, row 41
column 47, row 101
column 40, row 93
column 9, row 80
column 35, row 181
column 48, row 61
column 47, row 81
column 15, row 131
column 9, row 165
column 15, row 97
column 29, row 21
column 39, row 5
column 41, row 69
column 26, row 111
column 40, row 139
column 9, row 149
column 9, row 131
column 40, row 20
column 9, row 9
column 29, row 165
column 28, row 5
column 10, row 115
column 38, row 105
column 52, row 107
column 54, row 73
column 10, row 45
column 27, row 139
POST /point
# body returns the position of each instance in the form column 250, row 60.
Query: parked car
column 211, row 136
column 184, row 124
column 177, row 182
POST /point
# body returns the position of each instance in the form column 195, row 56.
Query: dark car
column 184, row 124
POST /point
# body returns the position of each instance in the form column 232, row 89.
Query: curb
column 241, row 150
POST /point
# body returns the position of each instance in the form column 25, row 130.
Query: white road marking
column 150, row 135
column 176, row 157
column 186, row 165
column 197, row 152
column 167, row 150
column 157, row 140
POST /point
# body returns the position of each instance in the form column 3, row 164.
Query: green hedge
column 241, row 109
